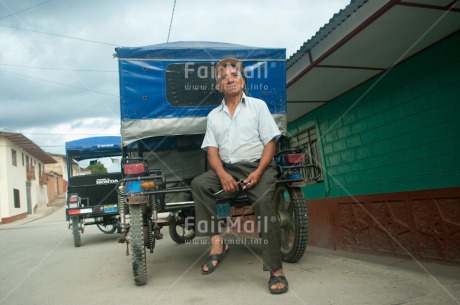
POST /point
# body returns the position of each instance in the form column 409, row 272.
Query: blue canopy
column 169, row 89
column 94, row 147
column 196, row 50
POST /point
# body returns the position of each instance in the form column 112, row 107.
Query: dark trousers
column 261, row 197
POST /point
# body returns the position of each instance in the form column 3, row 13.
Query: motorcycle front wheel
column 138, row 245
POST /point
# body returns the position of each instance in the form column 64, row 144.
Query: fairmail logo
column 259, row 70
column 106, row 181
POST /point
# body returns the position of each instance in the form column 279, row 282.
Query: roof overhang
column 364, row 40
column 23, row 142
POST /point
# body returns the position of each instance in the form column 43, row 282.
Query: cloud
column 52, row 139
column 52, row 84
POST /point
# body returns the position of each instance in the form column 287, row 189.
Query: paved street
column 40, row 265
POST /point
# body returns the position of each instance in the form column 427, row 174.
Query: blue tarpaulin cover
column 169, row 89
column 203, row 50
column 94, row 147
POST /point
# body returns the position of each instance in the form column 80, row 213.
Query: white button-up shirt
column 243, row 137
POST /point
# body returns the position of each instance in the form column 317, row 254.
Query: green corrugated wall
column 398, row 132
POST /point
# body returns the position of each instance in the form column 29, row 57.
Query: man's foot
column 219, row 250
column 278, row 282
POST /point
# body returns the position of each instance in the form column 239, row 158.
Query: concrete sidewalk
column 51, row 207
column 41, row 212
column 427, row 268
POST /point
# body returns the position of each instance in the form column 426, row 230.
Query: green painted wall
column 397, row 132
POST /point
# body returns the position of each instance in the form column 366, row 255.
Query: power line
column 29, row 8
column 39, row 145
column 170, row 23
column 57, row 69
column 5, row 129
column 69, row 37
column 59, row 35
column 60, row 84
column 70, row 134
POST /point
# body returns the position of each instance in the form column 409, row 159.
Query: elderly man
column 240, row 141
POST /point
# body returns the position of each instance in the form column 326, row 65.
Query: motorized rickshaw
column 166, row 92
column 92, row 197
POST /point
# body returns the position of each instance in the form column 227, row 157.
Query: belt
column 256, row 161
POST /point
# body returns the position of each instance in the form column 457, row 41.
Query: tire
column 76, row 232
column 179, row 236
column 138, row 246
column 109, row 229
column 291, row 209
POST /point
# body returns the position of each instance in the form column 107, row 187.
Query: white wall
column 3, row 182
column 15, row 177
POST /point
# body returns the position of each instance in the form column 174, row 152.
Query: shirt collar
column 243, row 101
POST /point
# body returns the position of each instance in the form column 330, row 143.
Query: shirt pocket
column 248, row 130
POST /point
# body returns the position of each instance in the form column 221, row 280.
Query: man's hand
column 228, row 183
column 226, row 180
column 253, row 178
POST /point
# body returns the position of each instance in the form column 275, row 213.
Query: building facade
column 388, row 143
column 57, row 176
column 22, row 179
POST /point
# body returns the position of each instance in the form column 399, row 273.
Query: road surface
column 40, row 265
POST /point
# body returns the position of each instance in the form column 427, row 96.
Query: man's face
column 231, row 82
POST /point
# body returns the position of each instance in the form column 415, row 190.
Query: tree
column 97, row 168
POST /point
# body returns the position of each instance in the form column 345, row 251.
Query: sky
column 58, row 76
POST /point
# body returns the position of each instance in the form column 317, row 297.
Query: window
column 309, row 140
column 14, row 157
column 191, row 85
column 17, row 201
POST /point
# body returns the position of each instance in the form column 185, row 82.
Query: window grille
column 309, row 141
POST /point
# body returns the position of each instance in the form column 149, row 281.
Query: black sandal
column 278, row 279
column 215, row 257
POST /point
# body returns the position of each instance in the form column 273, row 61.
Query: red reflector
column 73, row 212
column 73, row 199
column 134, row 169
column 294, row 158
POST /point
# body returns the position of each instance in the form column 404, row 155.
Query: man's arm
column 226, row 180
column 267, row 157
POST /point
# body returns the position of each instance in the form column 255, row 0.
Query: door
column 29, row 198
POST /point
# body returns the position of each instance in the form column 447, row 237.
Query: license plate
column 223, row 210
column 113, row 208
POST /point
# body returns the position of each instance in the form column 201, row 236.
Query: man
column 240, row 141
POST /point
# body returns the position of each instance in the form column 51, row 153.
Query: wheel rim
column 184, row 233
column 287, row 220
column 109, row 229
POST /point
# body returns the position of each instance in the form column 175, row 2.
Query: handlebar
column 296, row 150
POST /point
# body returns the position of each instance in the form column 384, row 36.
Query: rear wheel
column 180, row 234
column 138, row 246
column 76, row 232
column 291, row 210
column 107, row 229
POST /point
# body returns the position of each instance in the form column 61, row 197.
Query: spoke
column 282, row 204
column 285, row 239
column 291, row 227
